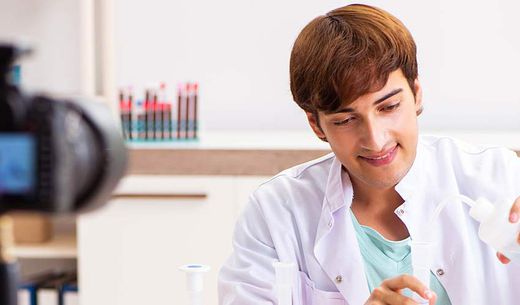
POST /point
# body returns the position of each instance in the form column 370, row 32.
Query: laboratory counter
column 258, row 153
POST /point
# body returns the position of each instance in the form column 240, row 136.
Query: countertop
column 260, row 153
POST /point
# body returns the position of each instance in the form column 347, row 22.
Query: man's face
column 375, row 137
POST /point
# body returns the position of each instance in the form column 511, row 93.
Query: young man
column 346, row 220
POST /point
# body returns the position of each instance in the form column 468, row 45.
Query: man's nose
column 374, row 136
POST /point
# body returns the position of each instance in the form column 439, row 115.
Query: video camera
column 56, row 156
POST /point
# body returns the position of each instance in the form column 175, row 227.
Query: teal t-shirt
column 385, row 259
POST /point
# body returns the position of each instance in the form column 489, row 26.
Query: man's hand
column 389, row 291
column 514, row 216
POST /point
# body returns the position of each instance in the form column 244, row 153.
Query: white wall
column 52, row 29
column 239, row 51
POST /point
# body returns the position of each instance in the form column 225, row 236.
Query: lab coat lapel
column 421, row 192
column 417, row 206
column 336, row 247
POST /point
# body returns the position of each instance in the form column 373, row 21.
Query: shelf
column 61, row 246
column 305, row 140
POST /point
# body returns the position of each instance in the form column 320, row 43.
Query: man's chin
column 383, row 182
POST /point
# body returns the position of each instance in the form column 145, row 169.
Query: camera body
column 56, row 155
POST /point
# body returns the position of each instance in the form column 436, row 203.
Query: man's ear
column 418, row 96
column 315, row 125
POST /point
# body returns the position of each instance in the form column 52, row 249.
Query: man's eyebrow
column 378, row 101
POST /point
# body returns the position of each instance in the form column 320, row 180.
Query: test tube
column 195, row 281
column 156, row 117
column 146, row 113
column 195, row 101
column 284, row 273
column 130, row 116
column 180, row 96
column 140, row 120
column 122, row 113
column 187, row 111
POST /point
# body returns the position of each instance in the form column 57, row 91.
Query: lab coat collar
column 336, row 196
column 339, row 192
column 412, row 182
column 336, row 247
column 336, row 239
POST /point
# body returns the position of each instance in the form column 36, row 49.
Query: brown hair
column 347, row 53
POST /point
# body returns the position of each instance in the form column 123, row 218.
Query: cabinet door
column 129, row 251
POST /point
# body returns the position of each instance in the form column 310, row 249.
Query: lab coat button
column 339, row 279
column 400, row 212
column 330, row 223
column 440, row 272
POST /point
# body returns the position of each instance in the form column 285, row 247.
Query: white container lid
column 194, row 276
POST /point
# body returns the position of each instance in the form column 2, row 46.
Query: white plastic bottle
column 495, row 228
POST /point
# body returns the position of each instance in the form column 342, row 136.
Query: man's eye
column 345, row 121
column 391, row 107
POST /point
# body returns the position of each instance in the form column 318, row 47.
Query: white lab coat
column 301, row 215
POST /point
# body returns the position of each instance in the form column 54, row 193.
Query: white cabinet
column 130, row 250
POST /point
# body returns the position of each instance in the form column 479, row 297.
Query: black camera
column 55, row 155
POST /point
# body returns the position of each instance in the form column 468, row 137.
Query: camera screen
column 17, row 163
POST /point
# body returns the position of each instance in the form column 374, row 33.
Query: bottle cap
column 194, row 276
column 481, row 210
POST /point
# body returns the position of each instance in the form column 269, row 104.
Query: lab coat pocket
column 309, row 295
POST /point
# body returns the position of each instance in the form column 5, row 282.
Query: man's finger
column 514, row 213
column 433, row 299
column 392, row 297
column 502, row 258
column 408, row 281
